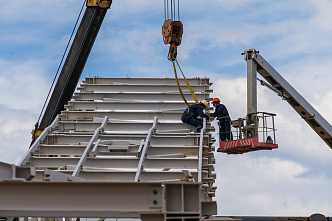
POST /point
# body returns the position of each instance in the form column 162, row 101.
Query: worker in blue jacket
column 224, row 120
column 191, row 114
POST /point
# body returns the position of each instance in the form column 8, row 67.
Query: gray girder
column 86, row 126
column 100, row 199
column 163, row 96
column 128, row 80
column 124, row 105
column 13, row 172
column 137, row 88
column 67, row 150
column 114, row 175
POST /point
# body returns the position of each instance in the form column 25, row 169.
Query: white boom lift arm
column 256, row 63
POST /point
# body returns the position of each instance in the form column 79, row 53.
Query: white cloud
column 15, row 133
column 268, row 186
column 126, row 7
column 23, row 85
column 323, row 16
column 233, row 94
column 24, row 89
column 141, row 43
column 44, row 11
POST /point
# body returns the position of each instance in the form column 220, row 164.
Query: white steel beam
column 88, row 148
column 137, row 88
column 116, row 162
column 160, row 81
column 126, row 176
column 89, row 126
column 140, row 96
column 38, row 141
column 101, row 199
column 121, row 105
column 200, row 155
column 144, row 150
column 79, row 199
column 11, row 171
column 157, row 139
column 122, row 114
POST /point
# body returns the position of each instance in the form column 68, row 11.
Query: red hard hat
column 215, row 100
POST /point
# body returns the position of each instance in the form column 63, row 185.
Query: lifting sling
column 188, row 85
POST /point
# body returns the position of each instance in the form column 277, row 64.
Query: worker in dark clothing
column 224, row 120
column 191, row 114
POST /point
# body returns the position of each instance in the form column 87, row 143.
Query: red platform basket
column 244, row 145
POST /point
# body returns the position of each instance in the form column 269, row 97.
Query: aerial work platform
column 255, row 132
column 244, row 146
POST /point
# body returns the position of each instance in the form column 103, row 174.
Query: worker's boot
column 198, row 130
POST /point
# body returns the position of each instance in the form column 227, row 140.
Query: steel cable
column 49, row 92
column 178, row 10
column 165, row 9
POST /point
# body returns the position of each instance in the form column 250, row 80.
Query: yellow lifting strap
column 188, row 85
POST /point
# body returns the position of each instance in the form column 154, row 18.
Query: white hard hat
column 205, row 103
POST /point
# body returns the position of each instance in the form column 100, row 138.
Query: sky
column 293, row 36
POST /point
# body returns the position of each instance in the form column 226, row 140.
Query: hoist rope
column 179, row 10
column 170, row 10
column 49, row 92
column 188, row 85
column 165, row 9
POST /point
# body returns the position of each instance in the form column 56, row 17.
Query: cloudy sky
column 293, row 36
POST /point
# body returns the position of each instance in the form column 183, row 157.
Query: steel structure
column 134, row 157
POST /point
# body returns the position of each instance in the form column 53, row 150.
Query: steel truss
column 118, row 150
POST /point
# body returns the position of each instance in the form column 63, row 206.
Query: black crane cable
column 72, row 33
column 56, row 75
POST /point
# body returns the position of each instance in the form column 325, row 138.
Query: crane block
column 172, row 32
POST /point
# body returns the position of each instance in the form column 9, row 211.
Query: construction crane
column 254, row 127
column 75, row 62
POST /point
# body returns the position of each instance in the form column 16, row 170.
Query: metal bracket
column 54, row 176
column 12, row 172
